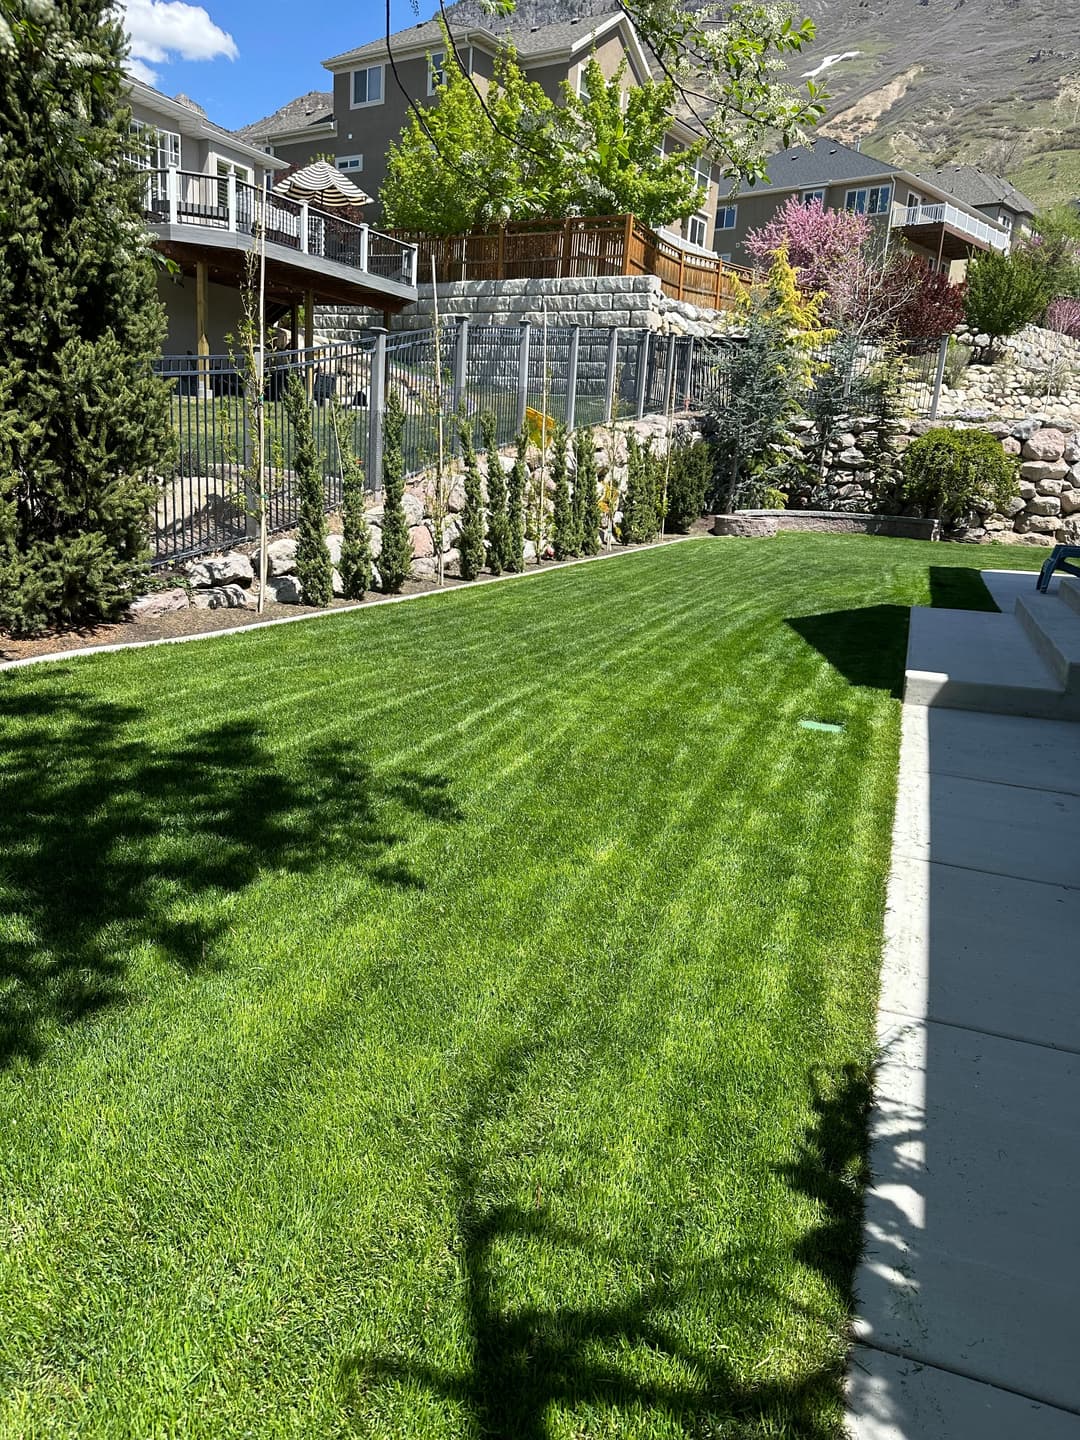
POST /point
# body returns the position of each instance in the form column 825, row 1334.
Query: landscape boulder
column 232, row 569
column 285, row 590
column 161, row 602
column 281, row 558
column 1045, row 444
column 422, row 543
column 222, row 597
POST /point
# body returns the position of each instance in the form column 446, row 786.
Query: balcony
column 215, row 220
column 951, row 233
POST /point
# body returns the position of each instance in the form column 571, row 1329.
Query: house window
column 697, row 230
column 726, row 217
column 350, row 162
column 726, row 257
column 225, row 168
column 870, row 200
column 436, row 73
column 809, row 196
column 157, row 150
column 703, row 171
column 367, row 86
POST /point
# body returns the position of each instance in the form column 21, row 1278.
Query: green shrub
column 586, row 494
column 951, row 473
column 689, row 481
column 515, row 505
column 499, row 554
column 1004, row 293
column 313, row 567
column 957, row 359
column 773, row 499
column 644, row 483
column 355, row 564
column 471, row 539
column 396, row 555
column 564, row 538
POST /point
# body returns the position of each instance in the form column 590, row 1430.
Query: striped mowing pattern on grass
column 452, row 1020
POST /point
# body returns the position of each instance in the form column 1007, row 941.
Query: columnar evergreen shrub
column 499, row 555
column 396, row 555
column 639, row 522
column 952, row 473
column 471, row 537
column 313, row 567
column 586, row 494
column 563, row 536
column 515, row 506
column 356, row 562
column 84, row 425
column 689, row 482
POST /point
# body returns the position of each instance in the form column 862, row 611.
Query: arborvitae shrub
column 499, row 553
column 562, row 527
column 355, row 565
column 689, row 482
column 84, row 425
column 515, row 506
column 471, row 537
column 313, row 567
column 639, row 502
column 586, row 493
column 951, row 473
column 396, row 555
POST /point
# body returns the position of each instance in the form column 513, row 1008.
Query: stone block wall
column 1039, row 371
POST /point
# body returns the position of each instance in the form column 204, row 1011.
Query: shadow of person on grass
column 527, row 1359
column 110, row 842
column 868, row 645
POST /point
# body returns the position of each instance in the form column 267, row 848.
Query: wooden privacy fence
column 579, row 248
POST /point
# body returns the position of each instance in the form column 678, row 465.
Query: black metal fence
column 574, row 376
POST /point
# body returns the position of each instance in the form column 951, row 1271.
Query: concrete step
column 1053, row 627
column 974, row 660
column 1069, row 591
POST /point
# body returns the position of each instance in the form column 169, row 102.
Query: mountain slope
column 994, row 83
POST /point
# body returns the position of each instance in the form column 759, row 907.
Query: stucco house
column 369, row 104
column 205, row 191
column 929, row 218
column 996, row 198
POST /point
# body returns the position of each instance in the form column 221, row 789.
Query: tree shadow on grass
column 955, row 587
column 867, row 646
column 527, row 1359
column 109, row 842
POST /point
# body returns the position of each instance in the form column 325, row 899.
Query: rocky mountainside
column 924, row 82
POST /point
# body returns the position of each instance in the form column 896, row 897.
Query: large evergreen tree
column 83, row 423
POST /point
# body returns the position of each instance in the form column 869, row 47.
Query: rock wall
column 862, row 464
column 1039, row 370
column 624, row 301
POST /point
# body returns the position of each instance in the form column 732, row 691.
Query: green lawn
column 453, row 1019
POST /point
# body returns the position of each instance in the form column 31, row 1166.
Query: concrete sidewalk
column 969, row 1294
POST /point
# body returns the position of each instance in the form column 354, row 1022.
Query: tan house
column 370, row 102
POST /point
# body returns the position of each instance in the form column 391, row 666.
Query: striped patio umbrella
column 321, row 183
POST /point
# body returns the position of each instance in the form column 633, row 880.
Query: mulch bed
column 206, row 622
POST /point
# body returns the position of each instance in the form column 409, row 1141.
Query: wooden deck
column 579, row 248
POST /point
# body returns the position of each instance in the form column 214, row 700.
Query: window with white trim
column 726, row 257
column 703, row 171
column 367, row 86
column 727, row 217
column 809, row 196
column 158, row 149
column 869, row 199
column 223, row 169
column 697, row 230
column 350, row 162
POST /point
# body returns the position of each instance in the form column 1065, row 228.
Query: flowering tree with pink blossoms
column 817, row 240
column 1064, row 316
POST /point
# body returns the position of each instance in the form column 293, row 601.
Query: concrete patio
column 967, row 1296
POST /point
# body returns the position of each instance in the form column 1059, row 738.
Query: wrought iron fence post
column 572, row 376
column 461, row 361
column 939, row 376
column 377, row 410
column 671, row 360
column 251, row 497
column 523, row 373
column 644, row 347
column 689, row 386
column 611, row 375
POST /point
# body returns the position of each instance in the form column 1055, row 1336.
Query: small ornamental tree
column 563, row 536
column 1004, row 293
column 313, row 567
column 952, row 473
column 1064, row 316
column 84, row 424
column 515, row 506
column 928, row 306
column 396, row 554
column 817, row 241
column 471, row 536
column 585, row 487
column 498, row 526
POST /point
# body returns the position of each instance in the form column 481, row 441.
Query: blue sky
column 241, row 59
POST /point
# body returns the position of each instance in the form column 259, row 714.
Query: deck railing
column 223, row 203
column 580, row 248
column 981, row 231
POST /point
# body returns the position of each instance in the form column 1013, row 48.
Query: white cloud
column 161, row 29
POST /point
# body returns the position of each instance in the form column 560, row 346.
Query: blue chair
column 1058, row 559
